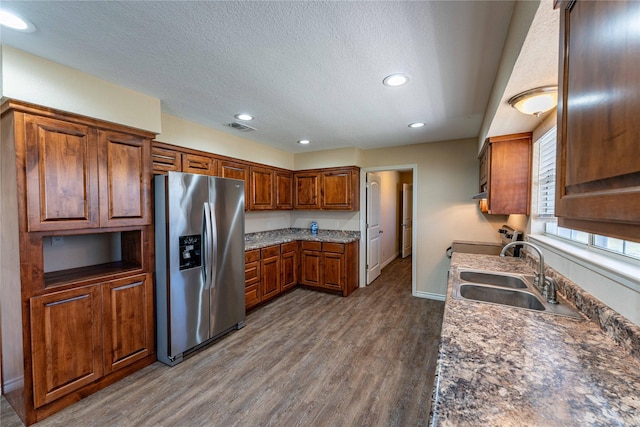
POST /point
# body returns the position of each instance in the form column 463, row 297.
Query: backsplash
column 616, row 326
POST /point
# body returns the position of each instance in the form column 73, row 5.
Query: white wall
column 446, row 177
column 389, row 215
column 36, row 80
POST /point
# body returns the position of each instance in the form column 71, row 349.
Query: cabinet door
column 62, row 175
column 310, row 267
column 333, row 266
column 339, row 190
column 289, row 261
column 193, row 163
column 509, row 174
column 598, row 160
column 270, row 270
column 227, row 169
column 164, row 160
column 252, row 276
column 124, row 164
column 66, row 342
column 262, row 189
column 284, row 190
column 306, row 190
column 128, row 321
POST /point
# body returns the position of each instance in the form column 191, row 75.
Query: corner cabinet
column 505, row 174
column 330, row 266
column 86, row 320
column 598, row 156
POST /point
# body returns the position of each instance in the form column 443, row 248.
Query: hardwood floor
column 305, row 359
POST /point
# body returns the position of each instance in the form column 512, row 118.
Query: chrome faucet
column 547, row 286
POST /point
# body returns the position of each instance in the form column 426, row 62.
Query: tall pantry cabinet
column 75, row 316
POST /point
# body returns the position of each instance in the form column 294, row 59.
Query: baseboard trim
column 388, row 261
column 429, row 295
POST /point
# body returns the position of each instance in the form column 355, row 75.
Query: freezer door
column 188, row 302
column 226, row 199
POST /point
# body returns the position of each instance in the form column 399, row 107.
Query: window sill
column 625, row 273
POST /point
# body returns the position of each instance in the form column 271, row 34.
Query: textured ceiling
column 304, row 69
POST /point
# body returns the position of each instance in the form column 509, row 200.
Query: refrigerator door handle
column 214, row 244
column 206, row 270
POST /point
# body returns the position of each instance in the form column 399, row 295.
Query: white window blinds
column 547, row 174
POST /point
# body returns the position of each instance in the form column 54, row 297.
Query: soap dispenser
column 314, row 227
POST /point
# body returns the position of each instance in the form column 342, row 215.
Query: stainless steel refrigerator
column 199, row 225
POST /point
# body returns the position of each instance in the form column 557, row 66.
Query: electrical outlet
column 57, row 240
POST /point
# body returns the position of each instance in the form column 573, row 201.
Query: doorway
column 387, row 223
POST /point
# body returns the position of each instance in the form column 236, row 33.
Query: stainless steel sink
column 504, row 280
column 501, row 296
column 507, row 289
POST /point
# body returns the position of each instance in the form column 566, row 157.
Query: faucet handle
column 549, row 290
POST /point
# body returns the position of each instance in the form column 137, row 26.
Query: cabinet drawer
column 251, row 296
column 270, row 251
column 251, row 273
column 337, row 248
column 312, row 246
column 289, row 247
column 252, row 255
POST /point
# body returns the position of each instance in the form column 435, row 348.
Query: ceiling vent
column 241, row 127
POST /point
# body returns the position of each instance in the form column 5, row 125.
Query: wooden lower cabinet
column 332, row 266
column 270, row 272
column 66, row 342
column 252, row 291
column 310, row 262
column 81, row 334
column 289, row 265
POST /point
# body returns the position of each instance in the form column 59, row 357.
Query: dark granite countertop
column 502, row 366
column 275, row 237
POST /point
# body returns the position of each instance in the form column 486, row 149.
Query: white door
column 407, row 220
column 373, row 227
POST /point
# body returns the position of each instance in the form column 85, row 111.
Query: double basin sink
column 513, row 290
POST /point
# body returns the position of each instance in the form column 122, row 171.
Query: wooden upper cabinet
column 124, row 164
column 165, row 160
column 227, row 169
column 66, row 342
column 262, row 195
column 598, row 156
column 284, row 190
column 340, row 189
column 61, row 174
column 192, row 163
column 306, row 190
column 505, row 173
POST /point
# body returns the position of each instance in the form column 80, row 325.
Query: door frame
column 363, row 219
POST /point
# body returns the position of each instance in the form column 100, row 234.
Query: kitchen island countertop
column 510, row 367
column 275, row 237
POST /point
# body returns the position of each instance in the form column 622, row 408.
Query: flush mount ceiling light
column 15, row 22
column 243, row 116
column 395, row 80
column 416, row 125
column 536, row 101
column 304, row 142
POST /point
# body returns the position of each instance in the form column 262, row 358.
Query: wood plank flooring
column 305, row 359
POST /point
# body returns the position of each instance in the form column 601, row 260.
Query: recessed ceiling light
column 416, row 125
column 243, row 116
column 15, row 22
column 395, row 80
column 304, row 141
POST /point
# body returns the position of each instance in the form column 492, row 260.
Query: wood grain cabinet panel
column 284, row 190
column 128, row 321
column 311, row 263
column 125, row 179
column 262, row 195
column 271, row 272
column 289, row 267
column 252, row 278
column 192, row 163
column 598, row 156
column 66, row 342
column 340, row 190
column 333, row 270
column 306, row 190
column 505, row 173
column 62, row 174
column 233, row 170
